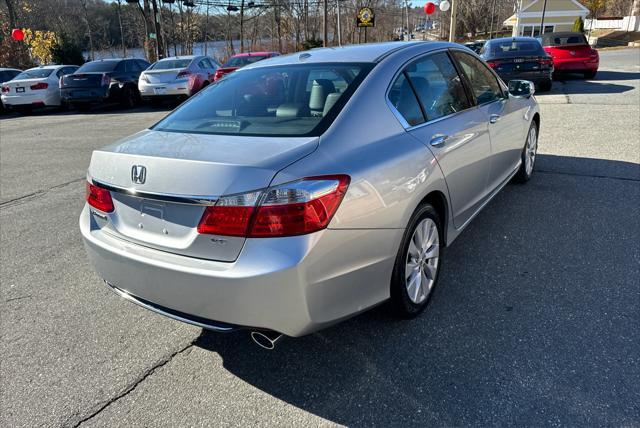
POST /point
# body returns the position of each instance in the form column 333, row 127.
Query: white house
column 559, row 15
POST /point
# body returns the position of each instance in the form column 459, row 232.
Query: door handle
column 438, row 140
column 494, row 118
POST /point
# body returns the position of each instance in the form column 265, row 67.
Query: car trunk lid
column 23, row 86
column 517, row 64
column 82, row 80
column 183, row 174
column 162, row 76
column 569, row 51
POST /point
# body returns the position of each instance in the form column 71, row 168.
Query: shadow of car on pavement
column 534, row 321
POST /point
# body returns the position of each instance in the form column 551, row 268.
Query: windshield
column 564, row 40
column 241, row 61
column 98, row 66
column 169, row 64
column 34, row 73
column 513, row 48
column 291, row 100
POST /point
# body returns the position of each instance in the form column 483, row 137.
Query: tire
column 408, row 297
column 590, row 74
column 128, row 97
column 528, row 155
column 545, row 85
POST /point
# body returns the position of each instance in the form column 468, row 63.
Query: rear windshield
column 169, row 64
column 564, row 40
column 512, row 48
column 241, row 61
column 98, row 66
column 291, row 100
column 34, row 73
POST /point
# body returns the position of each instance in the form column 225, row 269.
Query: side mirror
column 521, row 88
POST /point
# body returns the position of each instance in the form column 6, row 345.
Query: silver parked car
column 304, row 189
column 178, row 77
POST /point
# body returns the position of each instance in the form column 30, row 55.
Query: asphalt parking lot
column 536, row 320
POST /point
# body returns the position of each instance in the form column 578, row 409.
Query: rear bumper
column 292, row 285
column 575, row 64
column 44, row 99
column 85, row 95
column 153, row 90
column 534, row 76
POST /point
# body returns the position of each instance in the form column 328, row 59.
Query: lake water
column 216, row 49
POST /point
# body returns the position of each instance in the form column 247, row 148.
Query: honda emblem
column 138, row 174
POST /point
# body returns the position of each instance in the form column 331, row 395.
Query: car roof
column 368, row 52
column 514, row 39
column 243, row 54
column 10, row 69
column 180, row 57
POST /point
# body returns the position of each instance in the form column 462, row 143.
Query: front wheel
column 545, row 85
column 417, row 265
column 528, row 155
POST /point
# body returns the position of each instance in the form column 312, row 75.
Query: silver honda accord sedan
column 304, row 189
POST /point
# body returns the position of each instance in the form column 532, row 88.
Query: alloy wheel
column 421, row 265
column 530, row 150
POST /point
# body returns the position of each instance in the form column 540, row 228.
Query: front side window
column 438, row 86
column 484, row 85
column 292, row 100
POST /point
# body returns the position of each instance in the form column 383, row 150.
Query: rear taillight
column 5, row 89
column 144, row 78
column 40, row 85
column 493, row 64
column 106, row 80
column 218, row 74
column 99, row 198
column 296, row 208
column 546, row 62
column 183, row 74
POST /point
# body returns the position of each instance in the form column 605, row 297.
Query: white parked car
column 177, row 77
column 36, row 87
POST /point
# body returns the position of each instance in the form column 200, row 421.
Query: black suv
column 103, row 81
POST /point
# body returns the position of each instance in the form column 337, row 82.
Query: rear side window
column 142, row 65
column 241, row 61
column 404, row 100
column 291, row 100
column 484, row 85
column 438, row 86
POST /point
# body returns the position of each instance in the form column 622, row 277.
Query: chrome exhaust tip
column 266, row 339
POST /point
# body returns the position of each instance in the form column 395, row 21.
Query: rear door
column 504, row 115
column 444, row 120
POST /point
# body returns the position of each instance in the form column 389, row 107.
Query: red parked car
column 571, row 53
column 240, row 60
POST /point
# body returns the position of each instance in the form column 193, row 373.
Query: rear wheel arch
column 439, row 202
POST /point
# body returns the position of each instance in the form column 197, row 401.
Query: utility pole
column 339, row 28
column 158, row 30
column 408, row 31
column 242, row 26
column 452, row 25
column 493, row 12
column 124, row 45
column 544, row 10
column 324, row 25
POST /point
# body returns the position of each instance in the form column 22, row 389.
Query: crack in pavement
column 21, row 199
column 577, row 174
column 130, row 388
